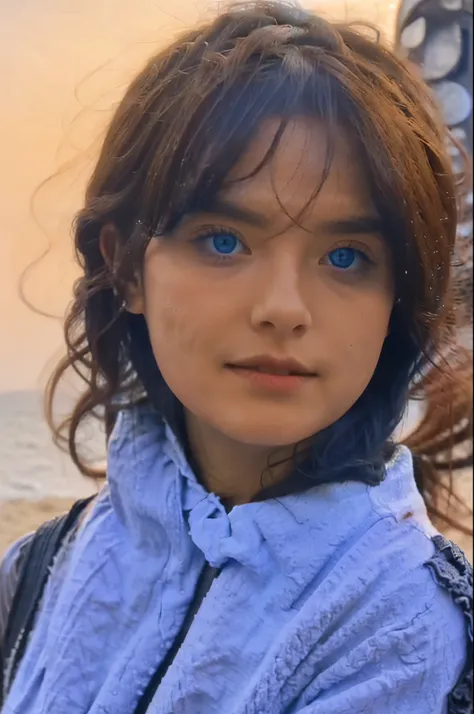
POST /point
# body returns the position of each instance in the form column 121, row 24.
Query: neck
column 234, row 471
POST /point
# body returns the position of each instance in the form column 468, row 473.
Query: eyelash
column 359, row 248
column 211, row 231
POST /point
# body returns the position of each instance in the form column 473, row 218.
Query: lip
column 265, row 364
column 268, row 373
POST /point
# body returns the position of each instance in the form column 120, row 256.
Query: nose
column 280, row 308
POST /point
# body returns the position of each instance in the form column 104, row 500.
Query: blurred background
column 65, row 64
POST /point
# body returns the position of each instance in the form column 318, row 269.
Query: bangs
column 223, row 127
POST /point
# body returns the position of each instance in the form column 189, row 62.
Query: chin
column 274, row 433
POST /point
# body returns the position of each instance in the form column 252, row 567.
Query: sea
column 31, row 466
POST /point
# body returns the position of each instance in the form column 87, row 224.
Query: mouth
column 272, row 365
column 272, row 373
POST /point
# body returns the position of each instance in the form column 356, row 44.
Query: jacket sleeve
column 421, row 664
column 10, row 568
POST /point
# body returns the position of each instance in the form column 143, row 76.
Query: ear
column 111, row 248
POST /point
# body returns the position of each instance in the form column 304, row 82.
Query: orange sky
column 48, row 115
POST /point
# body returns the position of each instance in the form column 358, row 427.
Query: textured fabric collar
column 155, row 494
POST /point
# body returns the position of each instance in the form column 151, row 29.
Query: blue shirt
column 325, row 603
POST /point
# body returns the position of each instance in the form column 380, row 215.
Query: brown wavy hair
column 182, row 124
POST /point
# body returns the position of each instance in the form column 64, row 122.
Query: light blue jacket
column 325, row 603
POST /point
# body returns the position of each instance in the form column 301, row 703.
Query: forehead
column 296, row 170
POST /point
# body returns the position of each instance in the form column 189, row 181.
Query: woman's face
column 265, row 330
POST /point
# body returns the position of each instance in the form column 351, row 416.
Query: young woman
column 265, row 245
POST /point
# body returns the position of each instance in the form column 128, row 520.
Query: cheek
column 172, row 318
column 182, row 317
column 185, row 325
column 359, row 337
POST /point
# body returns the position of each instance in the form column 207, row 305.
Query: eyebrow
column 352, row 225
column 227, row 209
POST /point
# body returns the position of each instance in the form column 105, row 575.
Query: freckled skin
column 280, row 297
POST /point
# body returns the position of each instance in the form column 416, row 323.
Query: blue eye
column 345, row 258
column 223, row 244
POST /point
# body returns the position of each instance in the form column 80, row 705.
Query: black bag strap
column 206, row 579
column 34, row 571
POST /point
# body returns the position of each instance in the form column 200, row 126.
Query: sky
column 64, row 64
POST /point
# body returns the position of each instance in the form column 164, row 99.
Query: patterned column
column 437, row 35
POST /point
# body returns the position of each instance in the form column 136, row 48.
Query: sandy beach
column 20, row 517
